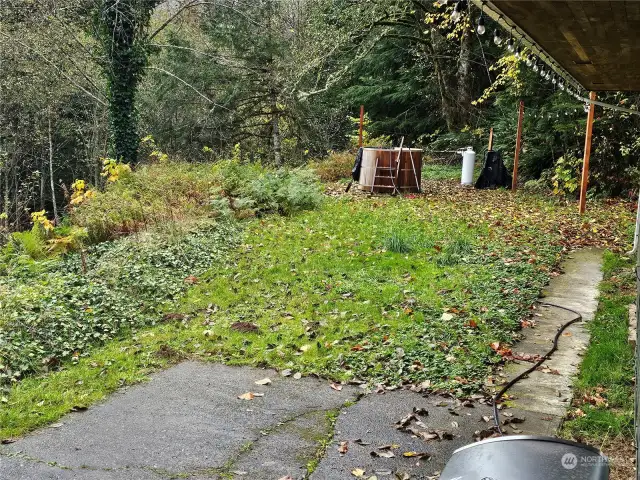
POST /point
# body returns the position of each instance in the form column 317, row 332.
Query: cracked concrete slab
column 187, row 421
column 372, row 421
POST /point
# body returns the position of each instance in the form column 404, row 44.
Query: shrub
column 335, row 167
column 31, row 243
column 153, row 195
column 285, row 192
column 567, row 174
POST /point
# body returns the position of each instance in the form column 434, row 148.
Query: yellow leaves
column 508, row 68
column 79, row 193
column 40, row 218
column 113, row 170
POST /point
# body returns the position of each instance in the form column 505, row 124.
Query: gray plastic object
column 523, row 457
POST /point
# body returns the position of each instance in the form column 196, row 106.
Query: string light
column 510, row 44
column 530, row 62
column 497, row 39
column 481, row 28
column 518, row 53
column 536, row 67
column 457, row 12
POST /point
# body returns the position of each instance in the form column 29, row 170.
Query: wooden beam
column 361, row 126
column 516, row 157
column 491, row 139
column 587, row 155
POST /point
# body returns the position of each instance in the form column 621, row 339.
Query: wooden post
column 587, row 155
column 361, row 126
column 516, row 158
column 491, row 139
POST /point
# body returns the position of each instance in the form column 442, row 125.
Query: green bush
column 30, row 243
column 151, row 196
column 566, row 177
column 284, row 191
column 335, row 167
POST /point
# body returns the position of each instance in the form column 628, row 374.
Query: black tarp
column 355, row 172
column 494, row 174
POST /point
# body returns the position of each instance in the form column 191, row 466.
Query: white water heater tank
column 468, row 166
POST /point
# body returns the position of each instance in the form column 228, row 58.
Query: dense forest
column 272, row 82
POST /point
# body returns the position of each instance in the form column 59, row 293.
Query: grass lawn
column 376, row 290
column 603, row 404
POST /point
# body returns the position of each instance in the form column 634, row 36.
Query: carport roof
column 596, row 42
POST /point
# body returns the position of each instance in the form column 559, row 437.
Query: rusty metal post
column 516, row 158
column 587, row 154
column 361, row 126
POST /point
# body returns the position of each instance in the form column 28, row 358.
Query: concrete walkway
column 188, row 421
column 546, row 394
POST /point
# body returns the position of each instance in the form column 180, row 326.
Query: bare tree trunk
column 464, row 80
column 51, row 178
column 42, row 183
column 275, row 130
column 448, row 109
column 5, row 210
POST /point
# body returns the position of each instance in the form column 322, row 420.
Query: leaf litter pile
column 429, row 290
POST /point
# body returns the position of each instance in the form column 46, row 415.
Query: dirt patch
column 621, row 453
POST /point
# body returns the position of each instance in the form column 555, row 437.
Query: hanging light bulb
column 554, row 80
column 497, row 39
column 529, row 61
column 481, row 27
column 542, row 71
column 518, row 53
column 547, row 76
column 443, row 2
column 511, row 45
column 457, row 12
column 536, row 67
column 586, row 107
column 561, row 85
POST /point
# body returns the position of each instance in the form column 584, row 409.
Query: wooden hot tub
column 381, row 173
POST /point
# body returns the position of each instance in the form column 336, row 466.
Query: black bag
column 355, row 173
column 494, row 174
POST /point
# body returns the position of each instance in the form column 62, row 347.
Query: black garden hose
column 547, row 356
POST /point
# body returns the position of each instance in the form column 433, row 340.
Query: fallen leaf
column 250, row 396
column 416, row 455
column 361, row 442
column 264, row 381
column 357, row 472
column 297, row 375
column 244, row 327
column 383, row 454
column 343, row 448
column 337, row 387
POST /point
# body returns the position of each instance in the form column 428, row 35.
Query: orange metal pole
column 516, row 158
column 587, row 155
column 361, row 125
column 491, row 139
